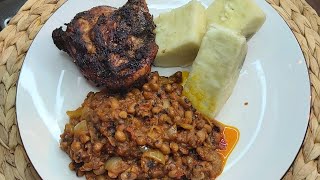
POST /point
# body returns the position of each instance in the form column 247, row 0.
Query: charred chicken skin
column 113, row 48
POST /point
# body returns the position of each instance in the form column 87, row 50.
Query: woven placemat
column 16, row 39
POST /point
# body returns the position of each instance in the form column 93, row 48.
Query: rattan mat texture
column 16, row 39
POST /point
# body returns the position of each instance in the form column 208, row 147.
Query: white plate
column 274, row 81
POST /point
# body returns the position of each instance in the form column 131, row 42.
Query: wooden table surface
column 315, row 4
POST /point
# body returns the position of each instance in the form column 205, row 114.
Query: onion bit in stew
column 152, row 132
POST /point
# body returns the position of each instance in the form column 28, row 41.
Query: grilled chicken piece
column 113, row 48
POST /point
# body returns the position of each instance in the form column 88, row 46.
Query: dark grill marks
column 113, row 48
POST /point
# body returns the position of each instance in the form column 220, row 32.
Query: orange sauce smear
column 231, row 138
